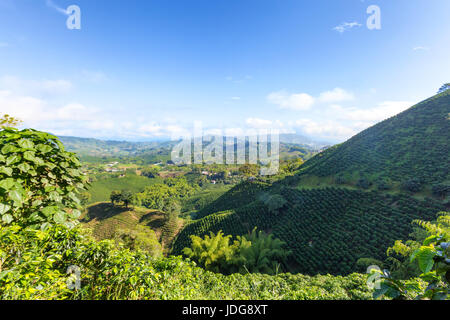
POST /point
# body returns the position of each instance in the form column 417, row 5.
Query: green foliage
column 214, row 252
column 35, row 264
column 151, row 172
column 126, row 196
column 433, row 259
column 39, row 180
column 326, row 229
column 115, row 197
column 254, row 253
column 159, row 196
column 140, row 238
column 260, row 253
column 441, row 190
column 249, row 170
column 412, row 185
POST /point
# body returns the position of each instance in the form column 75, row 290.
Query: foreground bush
column 34, row 265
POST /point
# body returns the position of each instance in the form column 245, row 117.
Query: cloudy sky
column 148, row 69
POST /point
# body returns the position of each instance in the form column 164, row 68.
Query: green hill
column 411, row 145
column 106, row 220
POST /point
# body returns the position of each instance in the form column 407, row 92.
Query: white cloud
column 296, row 101
column 52, row 5
column 25, row 108
column 26, row 87
column 52, row 86
column 76, row 111
column 327, row 129
column 381, row 112
column 346, row 26
column 420, row 48
column 336, row 95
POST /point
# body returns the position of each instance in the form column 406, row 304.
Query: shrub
column 39, row 180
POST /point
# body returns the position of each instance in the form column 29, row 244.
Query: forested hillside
column 413, row 145
column 326, row 229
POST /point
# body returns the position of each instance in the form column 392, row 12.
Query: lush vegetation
column 431, row 258
column 35, row 264
column 39, row 180
column 253, row 253
column 326, row 229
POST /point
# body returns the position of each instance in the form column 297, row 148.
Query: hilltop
column 411, row 145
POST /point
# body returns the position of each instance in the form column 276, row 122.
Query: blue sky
column 147, row 69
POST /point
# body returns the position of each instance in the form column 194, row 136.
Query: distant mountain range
column 98, row 147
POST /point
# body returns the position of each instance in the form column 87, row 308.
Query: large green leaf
column 26, row 144
column 7, row 218
column 24, row 167
column 9, row 148
column 43, row 148
column 7, row 184
column 424, row 255
column 4, row 208
column 6, row 170
column 49, row 211
column 12, row 159
column 60, row 217
column 16, row 196
column 29, row 155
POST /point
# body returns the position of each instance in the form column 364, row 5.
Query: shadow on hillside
column 102, row 211
column 154, row 220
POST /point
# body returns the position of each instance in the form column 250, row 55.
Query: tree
column 444, row 87
column 115, row 197
column 412, row 185
column 39, row 180
column 140, row 238
column 259, row 252
column 126, row 196
column 440, row 190
column 6, row 121
column 249, row 170
column 172, row 210
column 213, row 253
column 254, row 253
column 151, row 172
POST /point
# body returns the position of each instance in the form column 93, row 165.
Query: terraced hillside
column 411, row 145
column 327, row 229
column 105, row 220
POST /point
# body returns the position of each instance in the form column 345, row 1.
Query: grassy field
column 100, row 190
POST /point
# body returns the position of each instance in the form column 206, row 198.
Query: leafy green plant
column 39, row 180
column 433, row 258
